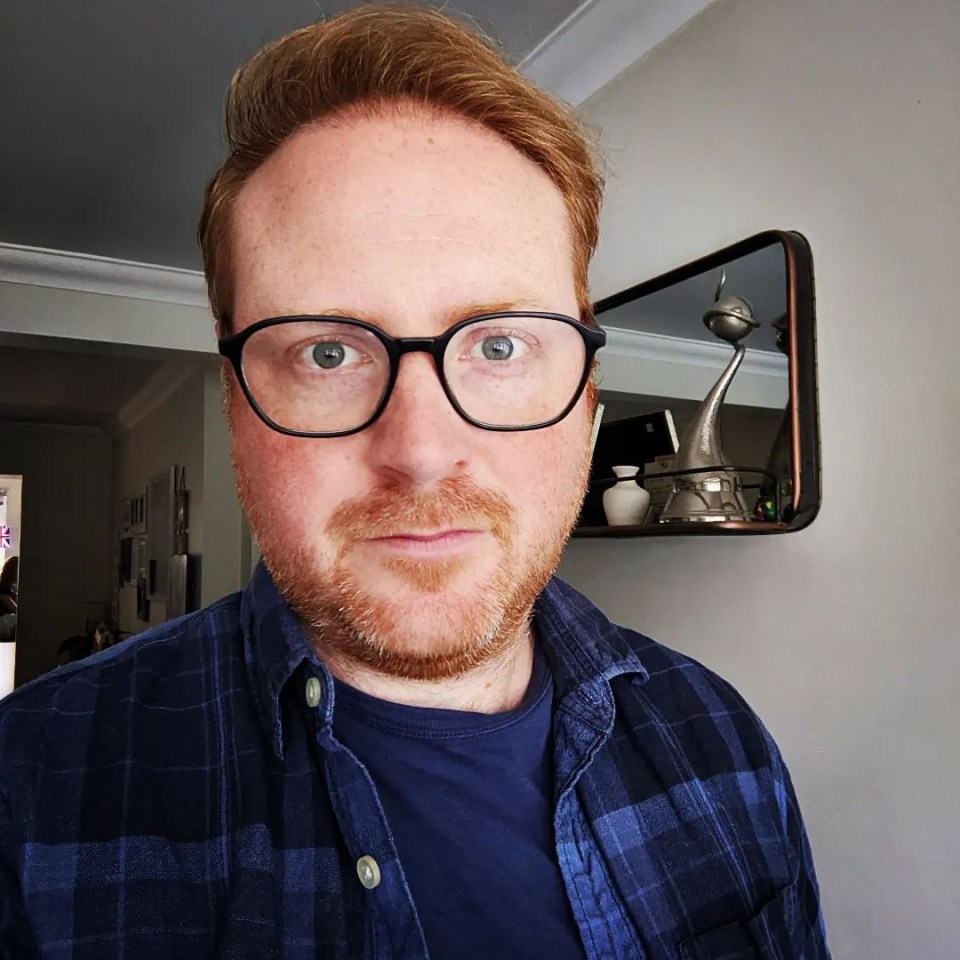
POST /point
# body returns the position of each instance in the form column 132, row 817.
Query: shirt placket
column 581, row 729
column 393, row 930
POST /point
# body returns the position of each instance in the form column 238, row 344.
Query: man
column 403, row 739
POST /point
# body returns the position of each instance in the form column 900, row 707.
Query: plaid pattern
column 176, row 796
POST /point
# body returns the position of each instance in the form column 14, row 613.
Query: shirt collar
column 584, row 649
column 275, row 647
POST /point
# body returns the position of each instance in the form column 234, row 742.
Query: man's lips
column 428, row 543
column 426, row 536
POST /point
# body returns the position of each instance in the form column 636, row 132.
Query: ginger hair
column 380, row 56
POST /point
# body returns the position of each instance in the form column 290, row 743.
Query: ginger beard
column 446, row 615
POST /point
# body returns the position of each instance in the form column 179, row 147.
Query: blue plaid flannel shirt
column 176, row 796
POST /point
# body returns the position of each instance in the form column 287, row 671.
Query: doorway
column 11, row 496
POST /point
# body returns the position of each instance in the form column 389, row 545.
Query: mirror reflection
column 708, row 394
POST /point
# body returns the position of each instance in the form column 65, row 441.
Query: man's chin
column 406, row 632
column 409, row 618
column 400, row 577
column 419, row 605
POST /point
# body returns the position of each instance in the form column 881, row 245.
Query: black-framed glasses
column 325, row 376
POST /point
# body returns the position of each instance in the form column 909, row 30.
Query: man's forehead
column 409, row 173
column 375, row 239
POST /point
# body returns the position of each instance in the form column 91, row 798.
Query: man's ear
column 596, row 373
column 228, row 382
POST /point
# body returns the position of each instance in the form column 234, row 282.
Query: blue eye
column 500, row 346
column 497, row 348
column 328, row 355
column 331, row 354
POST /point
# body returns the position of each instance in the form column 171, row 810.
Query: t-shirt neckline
column 435, row 723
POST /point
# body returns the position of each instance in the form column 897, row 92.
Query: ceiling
column 111, row 113
column 111, row 120
column 677, row 311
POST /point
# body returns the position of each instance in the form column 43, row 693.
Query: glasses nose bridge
column 431, row 345
column 434, row 346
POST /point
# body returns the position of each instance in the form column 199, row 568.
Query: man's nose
column 419, row 437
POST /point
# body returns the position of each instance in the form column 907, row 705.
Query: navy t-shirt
column 469, row 800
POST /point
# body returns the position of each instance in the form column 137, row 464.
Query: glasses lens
column 316, row 376
column 515, row 371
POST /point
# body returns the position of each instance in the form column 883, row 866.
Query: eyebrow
column 475, row 308
column 454, row 315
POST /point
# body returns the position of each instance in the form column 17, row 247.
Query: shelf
column 685, row 528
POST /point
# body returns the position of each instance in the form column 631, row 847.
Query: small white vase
column 625, row 503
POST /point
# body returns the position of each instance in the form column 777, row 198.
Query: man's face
column 417, row 545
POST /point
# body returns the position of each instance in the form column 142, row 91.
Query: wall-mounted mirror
column 708, row 386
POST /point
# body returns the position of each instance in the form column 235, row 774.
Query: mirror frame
column 803, row 393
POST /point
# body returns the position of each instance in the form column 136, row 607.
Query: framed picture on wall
column 161, row 493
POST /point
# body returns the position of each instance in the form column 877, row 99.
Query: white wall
column 840, row 119
column 189, row 430
column 100, row 317
column 226, row 550
column 65, row 540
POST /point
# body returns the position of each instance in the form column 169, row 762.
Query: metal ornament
column 718, row 495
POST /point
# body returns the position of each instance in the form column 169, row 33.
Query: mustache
column 398, row 507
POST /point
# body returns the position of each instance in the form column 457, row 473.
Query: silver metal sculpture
column 717, row 495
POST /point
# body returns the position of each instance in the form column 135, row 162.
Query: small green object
column 765, row 510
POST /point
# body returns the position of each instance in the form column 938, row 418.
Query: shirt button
column 313, row 692
column 368, row 870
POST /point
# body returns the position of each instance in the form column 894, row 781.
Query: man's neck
column 492, row 687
